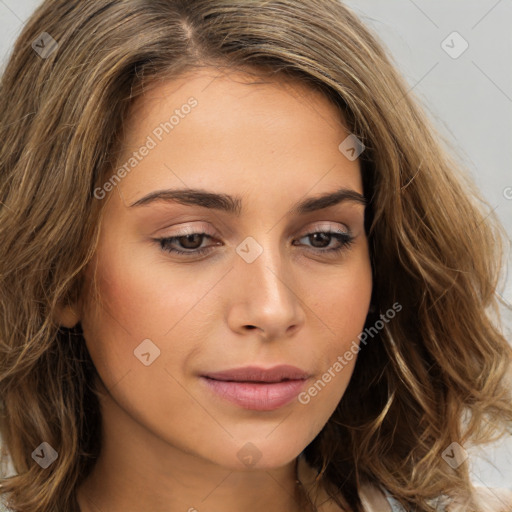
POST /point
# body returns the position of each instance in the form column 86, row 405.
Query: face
column 248, row 271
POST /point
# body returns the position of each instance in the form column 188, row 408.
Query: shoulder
column 489, row 500
column 3, row 506
column 376, row 499
column 372, row 497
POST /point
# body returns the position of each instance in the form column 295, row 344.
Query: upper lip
column 258, row 374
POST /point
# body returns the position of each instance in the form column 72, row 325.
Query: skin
column 168, row 443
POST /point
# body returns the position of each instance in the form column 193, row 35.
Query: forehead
column 242, row 128
column 231, row 85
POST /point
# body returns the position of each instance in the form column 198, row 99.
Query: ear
column 67, row 316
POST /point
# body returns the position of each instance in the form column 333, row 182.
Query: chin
column 258, row 453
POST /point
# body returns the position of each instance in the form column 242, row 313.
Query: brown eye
column 322, row 239
column 190, row 241
column 188, row 244
column 319, row 239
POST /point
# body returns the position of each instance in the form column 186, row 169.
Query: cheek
column 341, row 298
column 139, row 299
column 122, row 310
column 340, row 303
column 134, row 310
column 138, row 294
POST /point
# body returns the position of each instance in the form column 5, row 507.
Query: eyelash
column 344, row 238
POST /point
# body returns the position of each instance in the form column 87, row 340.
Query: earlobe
column 67, row 316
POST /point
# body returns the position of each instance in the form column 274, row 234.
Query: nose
column 264, row 297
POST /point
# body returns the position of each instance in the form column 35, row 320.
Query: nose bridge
column 262, row 263
column 268, row 299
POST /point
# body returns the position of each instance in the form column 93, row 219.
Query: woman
column 238, row 270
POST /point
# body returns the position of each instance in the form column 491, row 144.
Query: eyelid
column 202, row 229
column 328, row 227
column 189, row 230
column 344, row 237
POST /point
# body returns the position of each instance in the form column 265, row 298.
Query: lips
column 257, row 388
column 257, row 374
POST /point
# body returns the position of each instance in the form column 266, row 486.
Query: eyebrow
column 233, row 204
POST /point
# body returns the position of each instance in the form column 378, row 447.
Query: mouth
column 257, row 388
column 261, row 375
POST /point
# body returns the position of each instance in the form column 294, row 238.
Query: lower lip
column 256, row 396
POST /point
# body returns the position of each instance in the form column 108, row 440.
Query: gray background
column 469, row 98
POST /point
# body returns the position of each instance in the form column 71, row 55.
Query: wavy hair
column 434, row 375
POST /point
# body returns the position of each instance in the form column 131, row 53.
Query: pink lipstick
column 256, row 388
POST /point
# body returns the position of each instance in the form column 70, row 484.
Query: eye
column 190, row 243
column 322, row 239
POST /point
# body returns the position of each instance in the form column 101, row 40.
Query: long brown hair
column 433, row 376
